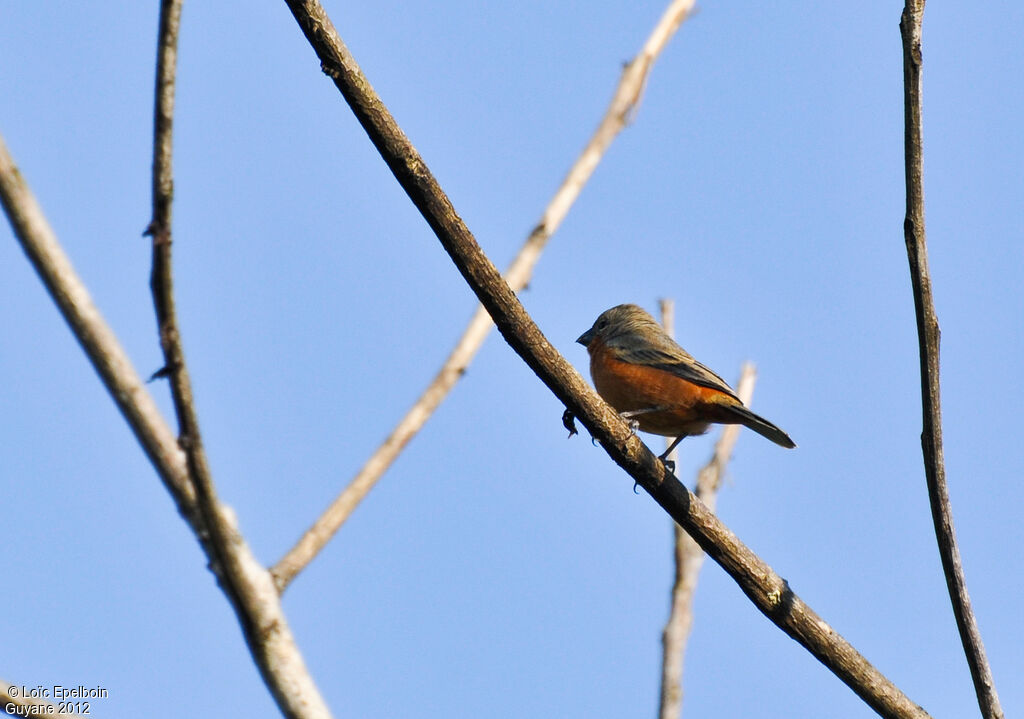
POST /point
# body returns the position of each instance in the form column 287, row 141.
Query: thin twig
column 689, row 557
column 160, row 278
column 928, row 341
column 620, row 111
column 769, row 592
column 239, row 575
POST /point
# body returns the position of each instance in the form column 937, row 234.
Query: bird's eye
column 602, row 323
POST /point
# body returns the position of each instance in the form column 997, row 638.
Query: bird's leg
column 630, row 417
column 669, row 464
column 637, row 412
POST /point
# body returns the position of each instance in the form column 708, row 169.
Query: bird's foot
column 569, row 422
column 630, row 419
column 669, row 464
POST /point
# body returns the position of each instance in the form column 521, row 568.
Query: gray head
column 620, row 321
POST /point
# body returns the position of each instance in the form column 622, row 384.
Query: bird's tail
column 760, row 425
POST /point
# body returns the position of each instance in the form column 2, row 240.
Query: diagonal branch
column 928, row 341
column 766, row 589
column 620, row 111
column 98, row 341
column 263, row 620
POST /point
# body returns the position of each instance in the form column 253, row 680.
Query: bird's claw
column 569, row 422
column 630, row 419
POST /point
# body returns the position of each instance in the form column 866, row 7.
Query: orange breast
column 682, row 407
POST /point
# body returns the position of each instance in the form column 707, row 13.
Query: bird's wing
column 677, row 361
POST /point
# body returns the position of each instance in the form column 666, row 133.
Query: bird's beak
column 585, row 338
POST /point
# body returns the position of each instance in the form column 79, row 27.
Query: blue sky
column 499, row 569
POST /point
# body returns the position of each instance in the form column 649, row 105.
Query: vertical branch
column 247, row 585
column 161, row 282
column 928, row 340
column 620, row 110
column 688, row 556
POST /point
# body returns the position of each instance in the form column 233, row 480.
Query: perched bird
column 650, row 380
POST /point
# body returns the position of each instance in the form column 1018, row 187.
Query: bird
column 658, row 386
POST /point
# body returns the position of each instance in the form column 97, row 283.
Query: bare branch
column 928, row 340
column 160, row 279
column 263, row 621
column 245, row 582
column 620, row 111
column 92, row 332
column 769, row 592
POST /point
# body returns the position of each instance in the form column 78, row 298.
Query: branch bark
column 928, row 344
column 161, row 283
column 247, row 585
column 620, row 111
column 769, row 592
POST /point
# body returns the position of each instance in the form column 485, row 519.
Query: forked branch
column 248, row 586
